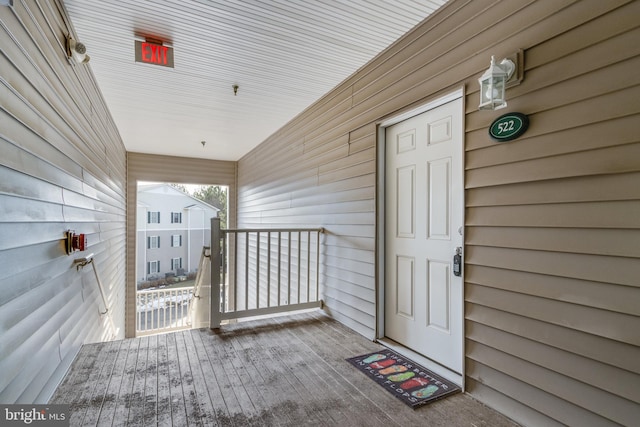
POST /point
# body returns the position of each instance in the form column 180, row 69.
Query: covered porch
column 286, row 371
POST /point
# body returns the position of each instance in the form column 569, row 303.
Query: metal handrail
column 197, row 286
column 80, row 263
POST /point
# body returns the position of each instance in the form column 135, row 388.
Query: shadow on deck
column 285, row 371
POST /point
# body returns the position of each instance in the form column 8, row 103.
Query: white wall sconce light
column 77, row 51
column 497, row 78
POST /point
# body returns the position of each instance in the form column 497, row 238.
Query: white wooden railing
column 171, row 309
column 163, row 310
column 268, row 271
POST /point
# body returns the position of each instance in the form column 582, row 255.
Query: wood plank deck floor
column 285, row 371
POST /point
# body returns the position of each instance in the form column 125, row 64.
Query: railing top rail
column 265, row 230
column 150, row 291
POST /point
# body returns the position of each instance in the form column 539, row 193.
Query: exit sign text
column 154, row 53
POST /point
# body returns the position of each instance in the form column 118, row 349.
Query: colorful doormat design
column 403, row 378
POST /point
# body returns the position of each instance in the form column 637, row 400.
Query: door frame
column 380, row 231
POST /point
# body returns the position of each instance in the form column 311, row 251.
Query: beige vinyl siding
column 552, row 232
column 331, row 189
column 181, row 170
column 553, row 305
column 62, row 166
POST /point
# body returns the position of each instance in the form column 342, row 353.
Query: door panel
column 424, row 211
column 405, row 205
column 439, row 205
column 405, row 289
column 438, row 284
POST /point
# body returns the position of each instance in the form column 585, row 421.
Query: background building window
column 153, row 267
column 153, row 217
column 176, row 217
column 176, row 240
column 176, row 263
column 153, row 242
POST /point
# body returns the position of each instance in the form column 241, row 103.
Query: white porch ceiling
column 283, row 55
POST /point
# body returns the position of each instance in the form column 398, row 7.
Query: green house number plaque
column 508, row 127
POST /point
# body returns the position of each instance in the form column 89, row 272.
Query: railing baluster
column 235, row 272
column 156, row 311
column 258, row 269
column 308, row 265
column 173, row 304
column 174, row 307
column 246, row 272
column 289, row 271
column 139, row 314
column 299, row 262
column 268, row 269
column 182, row 304
column 164, row 314
column 190, row 299
column 160, row 307
column 146, row 314
column 178, row 309
column 165, row 309
column 318, row 266
column 279, row 265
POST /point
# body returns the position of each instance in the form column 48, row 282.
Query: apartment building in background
column 172, row 228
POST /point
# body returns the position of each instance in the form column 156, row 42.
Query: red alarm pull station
column 76, row 242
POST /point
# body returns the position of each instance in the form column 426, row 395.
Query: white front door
column 423, row 227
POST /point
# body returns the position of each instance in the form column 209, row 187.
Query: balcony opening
column 173, row 226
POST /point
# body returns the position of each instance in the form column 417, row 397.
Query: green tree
column 179, row 187
column 216, row 196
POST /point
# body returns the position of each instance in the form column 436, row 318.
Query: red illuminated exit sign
column 154, row 53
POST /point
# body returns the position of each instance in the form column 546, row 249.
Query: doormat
column 405, row 379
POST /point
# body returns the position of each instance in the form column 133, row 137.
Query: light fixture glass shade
column 492, row 85
column 77, row 51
